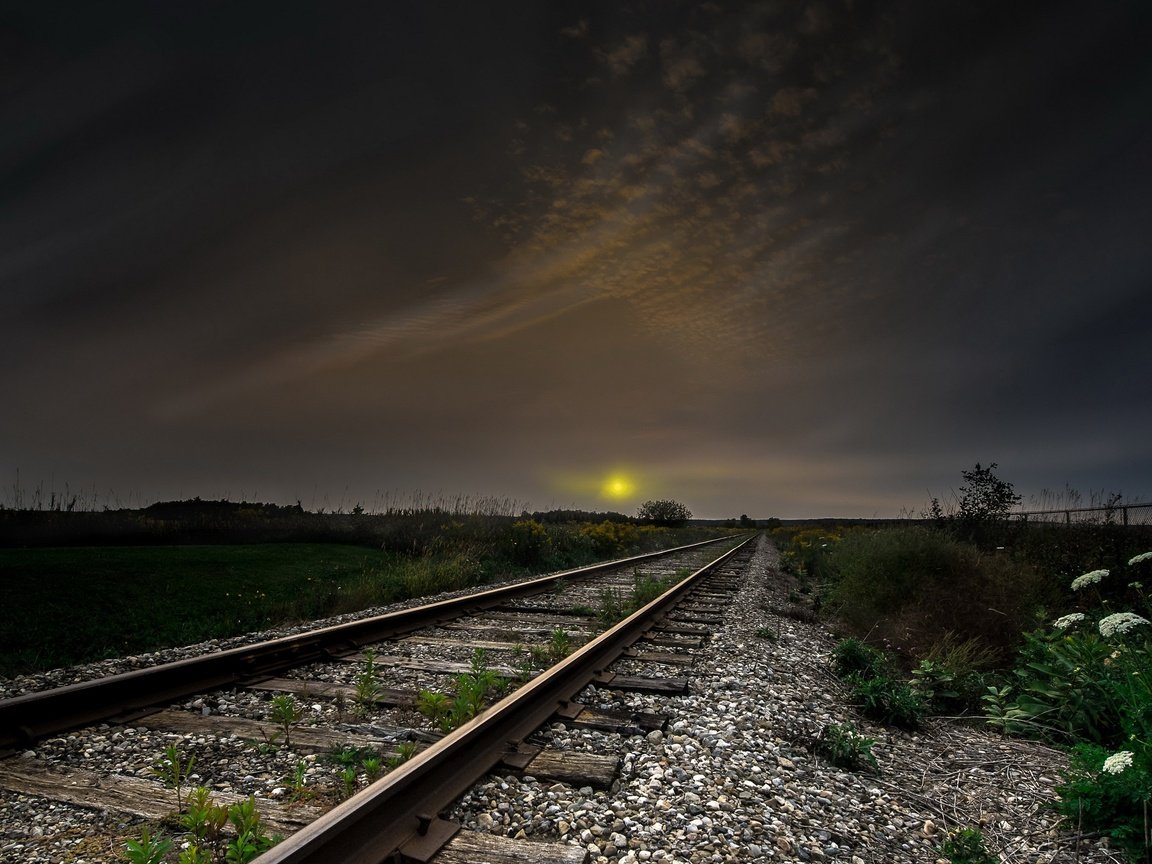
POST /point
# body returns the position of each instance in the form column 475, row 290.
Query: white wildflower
column 1063, row 623
column 1136, row 585
column 1090, row 578
column 1117, row 762
column 1143, row 556
column 1120, row 623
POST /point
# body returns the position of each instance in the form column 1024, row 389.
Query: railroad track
column 360, row 688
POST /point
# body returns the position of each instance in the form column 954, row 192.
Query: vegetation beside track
column 1038, row 630
column 65, row 605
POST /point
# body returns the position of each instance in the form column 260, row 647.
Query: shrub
column 1060, row 689
column 1079, row 682
column 877, row 694
column 966, row 846
column 951, row 676
column 805, row 552
column 528, row 542
column 670, row 513
column 1110, row 792
column 1091, row 683
column 853, row 656
column 985, row 500
column 610, row 539
column 887, row 700
column 910, row 585
column 845, row 748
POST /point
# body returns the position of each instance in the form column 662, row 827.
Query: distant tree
column 669, row 513
column 745, row 522
column 984, row 501
column 986, row 498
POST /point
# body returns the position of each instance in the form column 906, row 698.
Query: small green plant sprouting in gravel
column 251, row 838
column 887, row 700
column 525, row 664
column 286, row 714
column 174, row 771
column 367, row 685
column 348, row 775
column 559, row 586
column 405, row 750
column 846, row 748
column 349, row 756
column 373, row 768
column 205, row 841
column 193, row 854
column 472, row 689
column 205, row 819
column 611, row 607
column 645, row 589
column 614, row 607
column 766, row 633
column 539, row 655
column 559, row 645
column 437, row 707
column 966, row 846
column 878, row 695
column 148, row 849
column 298, row 783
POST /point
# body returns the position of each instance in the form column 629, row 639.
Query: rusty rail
column 398, row 817
column 25, row 719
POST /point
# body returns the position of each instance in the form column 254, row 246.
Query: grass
column 68, row 606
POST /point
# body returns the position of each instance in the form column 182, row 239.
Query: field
column 69, row 605
column 142, row 582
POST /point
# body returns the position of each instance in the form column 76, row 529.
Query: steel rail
column 397, row 818
column 27, row 718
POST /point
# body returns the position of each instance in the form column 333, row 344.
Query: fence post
column 1125, row 516
column 1067, row 517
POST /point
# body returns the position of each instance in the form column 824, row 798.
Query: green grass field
column 66, row 606
column 61, row 605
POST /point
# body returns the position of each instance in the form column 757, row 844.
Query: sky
column 775, row 258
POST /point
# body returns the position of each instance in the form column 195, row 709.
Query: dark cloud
column 772, row 257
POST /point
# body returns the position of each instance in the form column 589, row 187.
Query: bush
column 804, row 552
column 528, row 542
column 878, row 695
column 951, row 678
column 610, row 539
column 909, row 586
column 1110, row 792
column 853, row 656
column 887, row 700
column 670, row 513
column 1083, row 679
column 845, row 748
column 1090, row 681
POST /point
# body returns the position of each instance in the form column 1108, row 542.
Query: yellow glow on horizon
column 617, row 487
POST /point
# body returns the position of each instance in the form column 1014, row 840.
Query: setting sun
column 617, row 486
